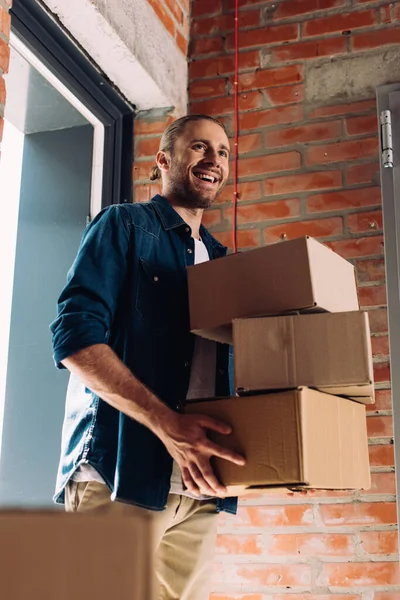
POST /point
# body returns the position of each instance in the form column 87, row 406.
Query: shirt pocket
column 161, row 299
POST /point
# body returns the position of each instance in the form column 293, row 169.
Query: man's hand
column 185, row 437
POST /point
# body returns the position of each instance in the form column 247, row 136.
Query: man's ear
column 163, row 161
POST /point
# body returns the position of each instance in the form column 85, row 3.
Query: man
column 123, row 332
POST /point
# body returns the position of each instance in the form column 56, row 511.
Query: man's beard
column 184, row 190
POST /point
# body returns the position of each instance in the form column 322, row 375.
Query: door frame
column 53, row 46
column 391, row 226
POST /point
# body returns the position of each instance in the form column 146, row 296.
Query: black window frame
column 52, row 44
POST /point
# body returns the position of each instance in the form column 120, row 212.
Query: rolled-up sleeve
column 87, row 304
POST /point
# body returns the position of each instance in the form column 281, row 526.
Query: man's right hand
column 185, row 437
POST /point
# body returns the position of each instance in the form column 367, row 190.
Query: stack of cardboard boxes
column 303, row 365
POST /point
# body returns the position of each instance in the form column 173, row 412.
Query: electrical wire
column 236, row 130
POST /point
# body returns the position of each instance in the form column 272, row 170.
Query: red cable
column 236, row 128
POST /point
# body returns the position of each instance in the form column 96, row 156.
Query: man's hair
column 173, row 132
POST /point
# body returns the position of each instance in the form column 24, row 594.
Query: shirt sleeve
column 88, row 302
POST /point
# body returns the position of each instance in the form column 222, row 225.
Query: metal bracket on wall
column 387, row 144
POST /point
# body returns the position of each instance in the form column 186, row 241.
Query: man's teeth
column 206, row 177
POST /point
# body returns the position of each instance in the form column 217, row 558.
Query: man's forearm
column 100, row 369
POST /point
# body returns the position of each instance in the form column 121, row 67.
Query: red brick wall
column 174, row 15
column 305, row 169
column 5, row 23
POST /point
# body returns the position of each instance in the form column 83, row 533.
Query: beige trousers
column 184, row 537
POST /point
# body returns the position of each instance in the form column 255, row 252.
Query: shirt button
column 187, row 364
column 190, row 251
column 155, row 278
column 187, row 229
column 221, row 371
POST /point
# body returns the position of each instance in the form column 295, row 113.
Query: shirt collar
column 170, row 220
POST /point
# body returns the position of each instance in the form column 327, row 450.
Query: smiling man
column 123, row 331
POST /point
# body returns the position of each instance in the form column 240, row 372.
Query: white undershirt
column 201, row 385
column 202, row 375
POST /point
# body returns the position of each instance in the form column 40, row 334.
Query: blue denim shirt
column 128, row 288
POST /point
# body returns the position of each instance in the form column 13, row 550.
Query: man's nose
column 213, row 156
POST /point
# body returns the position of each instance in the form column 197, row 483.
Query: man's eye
column 223, row 153
column 199, row 147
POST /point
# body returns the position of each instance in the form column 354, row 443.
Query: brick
column 2, row 91
column 250, row 190
column 246, row 238
column 147, row 127
column 269, row 117
column 141, row 170
column 302, row 182
column 375, row 39
column 301, row 7
column 362, row 125
column 249, row 143
column 206, row 7
column 342, row 151
column 309, row 49
column 383, row 400
column 147, row 147
column 380, row 345
column 207, row 46
column 381, row 456
column 264, row 78
column 211, row 217
column 386, row 16
column 286, row 94
column 239, row 544
column 225, row 105
column 341, row 22
column 361, row 222
column 5, row 22
column 4, row 56
column 211, row 67
column 343, row 200
column 266, row 35
column 381, row 483
column 310, row 544
column 360, row 514
column 379, row 426
column 305, row 133
column 386, row 596
column 220, row 25
column 357, row 247
column 370, row 270
column 344, row 109
column 181, row 42
column 207, row 88
column 374, row 295
column 265, row 211
column 164, row 16
column 274, row 516
column 359, row 574
column 279, row 575
column 362, row 173
column 382, row 372
column 144, row 193
column 317, row 228
column 176, row 10
column 269, row 163
column 378, row 321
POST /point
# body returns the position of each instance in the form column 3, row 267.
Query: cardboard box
column 295, row 438
column 292, row 276
column 57, row 556
column 327, row 351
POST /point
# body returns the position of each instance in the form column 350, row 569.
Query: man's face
column 199, row 164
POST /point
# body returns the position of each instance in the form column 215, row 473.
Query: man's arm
column 185, row 436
